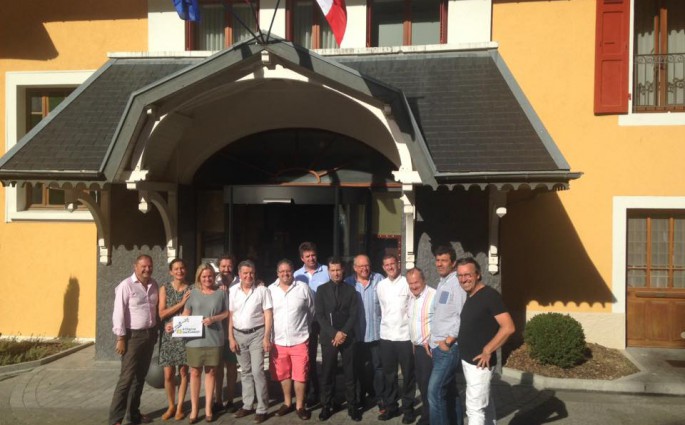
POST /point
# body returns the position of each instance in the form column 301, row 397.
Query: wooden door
column 656, row 318
column 656, row 279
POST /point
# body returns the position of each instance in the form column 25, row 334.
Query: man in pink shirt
column 135, row 325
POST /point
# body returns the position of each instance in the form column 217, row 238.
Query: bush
column 555, row 339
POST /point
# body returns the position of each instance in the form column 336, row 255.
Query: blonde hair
column 200, row 269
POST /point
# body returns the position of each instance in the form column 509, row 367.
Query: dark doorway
column 268, row 233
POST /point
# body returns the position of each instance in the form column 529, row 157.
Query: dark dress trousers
column 336, row 310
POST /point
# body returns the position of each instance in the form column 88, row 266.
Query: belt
column 248, row 331
column 137, row 331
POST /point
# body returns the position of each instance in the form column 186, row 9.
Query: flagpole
column 229, row 5
column 256, row 19
column 273, row 18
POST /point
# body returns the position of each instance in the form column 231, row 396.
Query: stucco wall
column 557, row 247
column 49, row 268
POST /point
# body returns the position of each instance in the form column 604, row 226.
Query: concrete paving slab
column 77, row 389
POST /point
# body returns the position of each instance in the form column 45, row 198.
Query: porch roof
column 467, row 120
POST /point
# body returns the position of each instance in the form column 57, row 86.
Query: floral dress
column 172, row 351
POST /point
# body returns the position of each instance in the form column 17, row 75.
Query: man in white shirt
column 293, row 312
column 249, row 336
column 395, row 346
column 420, row 320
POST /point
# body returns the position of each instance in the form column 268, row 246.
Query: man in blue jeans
column 443, row 397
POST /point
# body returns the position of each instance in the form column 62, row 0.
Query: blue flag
column 188, row 10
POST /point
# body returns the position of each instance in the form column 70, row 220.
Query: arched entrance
column 262, row 195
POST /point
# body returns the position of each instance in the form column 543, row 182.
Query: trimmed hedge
column 555, row 339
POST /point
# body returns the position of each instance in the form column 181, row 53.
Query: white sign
column 187, row 326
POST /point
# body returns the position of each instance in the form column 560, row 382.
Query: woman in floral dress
column 172, row 351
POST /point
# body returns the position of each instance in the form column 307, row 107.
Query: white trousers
column 480, row 408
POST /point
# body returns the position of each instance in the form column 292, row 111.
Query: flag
column 188, row 10
column 336, row 15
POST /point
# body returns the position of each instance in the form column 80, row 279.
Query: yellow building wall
column 49, row 268
column 558, row 246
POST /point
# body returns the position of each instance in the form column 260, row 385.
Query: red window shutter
column 611, row 56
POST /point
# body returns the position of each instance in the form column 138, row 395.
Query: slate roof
column 75, row 139
column 475, row 121
column 467, row 108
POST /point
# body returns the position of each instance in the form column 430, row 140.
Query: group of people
column 376, row 324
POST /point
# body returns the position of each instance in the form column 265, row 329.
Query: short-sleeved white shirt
column 247, row 309
column 293, row 312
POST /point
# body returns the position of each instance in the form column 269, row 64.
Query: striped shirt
column 369, row 322
column 421, row 316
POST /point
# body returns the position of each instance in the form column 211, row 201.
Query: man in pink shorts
column 293, row 310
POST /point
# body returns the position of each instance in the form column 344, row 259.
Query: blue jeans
column 443, row 397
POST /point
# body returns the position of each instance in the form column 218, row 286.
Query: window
column 40, row 102
column 659, row 56
column 406, row 22
column 18, row 85
column 222, row 24
column 307, row 26
column 656, row 249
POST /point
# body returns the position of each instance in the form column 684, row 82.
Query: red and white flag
column 336, row 15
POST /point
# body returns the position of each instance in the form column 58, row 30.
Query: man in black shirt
column 336, row 309
column 485, row 326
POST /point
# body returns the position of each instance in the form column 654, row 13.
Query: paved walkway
column 77, row 389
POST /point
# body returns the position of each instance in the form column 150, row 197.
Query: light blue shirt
column 447, row 304
column 315, row 280
column 369, row 322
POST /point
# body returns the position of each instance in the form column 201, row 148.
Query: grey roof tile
column 470, row 119
column 78, row 136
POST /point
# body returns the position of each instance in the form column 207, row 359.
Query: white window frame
column 643, row 118
column 16, row 84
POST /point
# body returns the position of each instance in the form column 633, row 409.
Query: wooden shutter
column 611, row 56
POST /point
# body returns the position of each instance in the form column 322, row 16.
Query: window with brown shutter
column 611, row 56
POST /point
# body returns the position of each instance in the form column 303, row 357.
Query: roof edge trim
column 528, row 109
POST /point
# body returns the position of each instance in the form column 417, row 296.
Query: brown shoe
column 241, row 413
column 169, row 413
column 304, row 414
column 284, row 410
column 259, row 418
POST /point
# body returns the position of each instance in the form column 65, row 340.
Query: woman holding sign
column 172, row 351
column 205, row 352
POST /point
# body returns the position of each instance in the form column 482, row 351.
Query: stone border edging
column 627, row 384
column 26, row 366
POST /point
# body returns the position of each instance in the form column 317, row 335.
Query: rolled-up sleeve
column 120, row 309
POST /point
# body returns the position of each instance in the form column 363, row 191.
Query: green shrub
column 555, row 339
column 14, row 351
